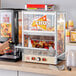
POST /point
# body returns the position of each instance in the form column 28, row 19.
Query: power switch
column 38, row 59
column 44, row 59
column 33, row 58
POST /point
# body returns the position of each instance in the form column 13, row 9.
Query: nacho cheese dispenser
column 9, row 34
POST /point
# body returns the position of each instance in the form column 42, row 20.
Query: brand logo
column 6, row 18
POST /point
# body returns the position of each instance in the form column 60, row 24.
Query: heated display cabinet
column 43, row 36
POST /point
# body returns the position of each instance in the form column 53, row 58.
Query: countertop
column 35, row 68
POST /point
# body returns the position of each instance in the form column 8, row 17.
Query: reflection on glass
column 60, row 33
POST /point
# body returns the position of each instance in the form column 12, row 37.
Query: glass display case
column 43, row 36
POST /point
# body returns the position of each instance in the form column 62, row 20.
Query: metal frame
column 22, row 31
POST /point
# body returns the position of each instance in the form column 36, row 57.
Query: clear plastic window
column 39, row 42
column 39, row 22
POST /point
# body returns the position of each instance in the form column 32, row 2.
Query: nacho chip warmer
column 9, row 34
column 43, row 36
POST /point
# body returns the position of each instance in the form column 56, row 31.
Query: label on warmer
column 6, row 26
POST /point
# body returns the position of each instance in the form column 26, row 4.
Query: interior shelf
column 28, row 48
column 40, row 33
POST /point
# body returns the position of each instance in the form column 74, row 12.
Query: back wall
column 64, row 5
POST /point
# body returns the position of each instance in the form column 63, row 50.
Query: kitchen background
column 64, row 5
